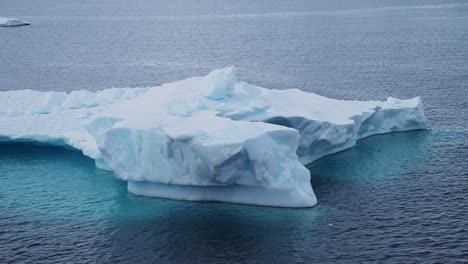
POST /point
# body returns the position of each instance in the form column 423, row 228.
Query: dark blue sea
column 395, row 198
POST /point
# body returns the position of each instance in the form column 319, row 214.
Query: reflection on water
column 388, row 193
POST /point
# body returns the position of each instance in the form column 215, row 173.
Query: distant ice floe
column 12, row 22
column 205, row 138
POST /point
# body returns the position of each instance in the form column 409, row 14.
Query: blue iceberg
column 208, row 138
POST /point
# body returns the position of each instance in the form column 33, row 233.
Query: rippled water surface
column 397, row 198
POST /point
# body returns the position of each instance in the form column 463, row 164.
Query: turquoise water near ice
column 397, row 198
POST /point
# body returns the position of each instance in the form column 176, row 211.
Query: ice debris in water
column 12, row 22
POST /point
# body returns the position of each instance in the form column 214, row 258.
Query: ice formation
column 205, row 138
column 12, row 22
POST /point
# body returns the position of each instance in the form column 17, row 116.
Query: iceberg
column 209, row 138
column 12, row 22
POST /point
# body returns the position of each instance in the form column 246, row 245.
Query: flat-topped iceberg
column 12, row 22
column 205, row 138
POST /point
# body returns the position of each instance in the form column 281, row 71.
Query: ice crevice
column 209, row 138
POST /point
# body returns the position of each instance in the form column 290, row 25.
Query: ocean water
column 397, row 198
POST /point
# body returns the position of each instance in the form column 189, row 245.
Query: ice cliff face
column 12, row 22
column 205, row 138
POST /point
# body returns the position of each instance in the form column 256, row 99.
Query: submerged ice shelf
column 205, row 138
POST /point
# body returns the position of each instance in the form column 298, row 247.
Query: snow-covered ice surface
column 205, row 138
column 12, row 22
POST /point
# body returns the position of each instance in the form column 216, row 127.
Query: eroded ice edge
column 12, row 22
column 205, row 138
